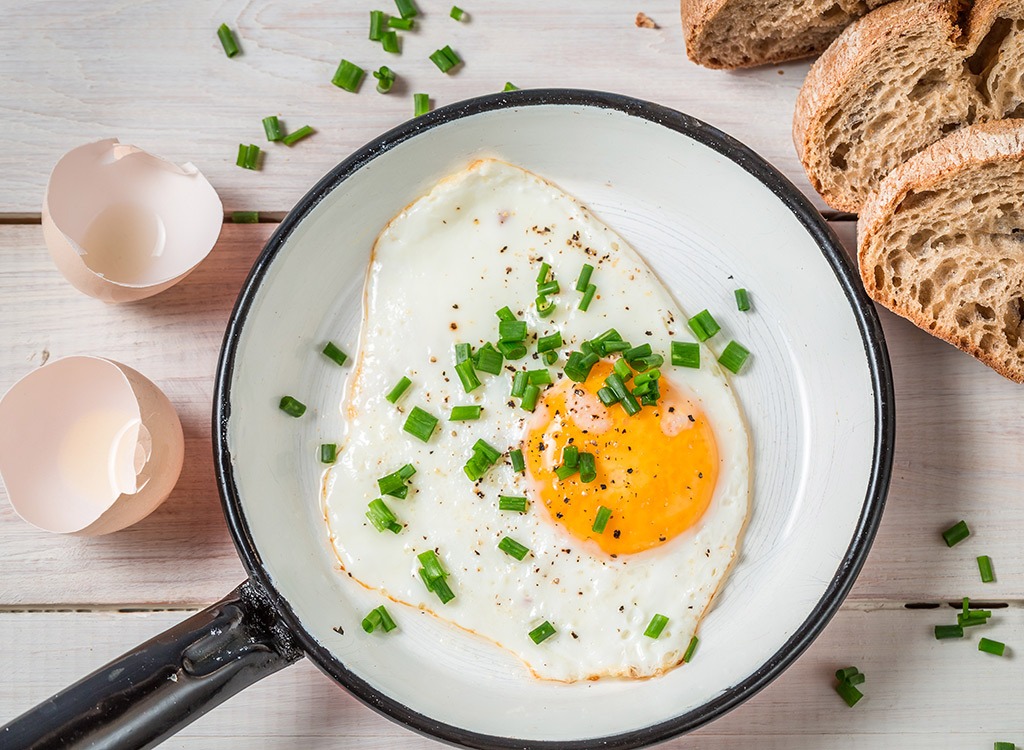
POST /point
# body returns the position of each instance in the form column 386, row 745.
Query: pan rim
column 866, row 319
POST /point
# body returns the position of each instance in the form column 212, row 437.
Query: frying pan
column 708, row 215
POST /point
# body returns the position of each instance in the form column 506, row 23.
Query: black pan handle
column 148, row 694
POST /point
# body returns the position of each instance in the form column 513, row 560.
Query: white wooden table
column 153, row 74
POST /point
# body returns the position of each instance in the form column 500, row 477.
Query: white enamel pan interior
column 709, row 216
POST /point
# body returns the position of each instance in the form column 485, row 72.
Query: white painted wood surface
column 153, row 74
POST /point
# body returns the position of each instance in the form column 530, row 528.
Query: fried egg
column 673, row 479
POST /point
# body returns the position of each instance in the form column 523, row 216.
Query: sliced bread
column 744, row 33
column 900, row 79
column 942, row 242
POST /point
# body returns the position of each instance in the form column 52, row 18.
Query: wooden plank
column 154, row 74
column 959, row 454
column 916, row 694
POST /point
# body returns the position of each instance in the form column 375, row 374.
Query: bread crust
column 970, row 147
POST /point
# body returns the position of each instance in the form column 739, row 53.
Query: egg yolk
column 656, row 470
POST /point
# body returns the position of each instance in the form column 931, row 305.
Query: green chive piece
column 538, row 377
column 626, row 399
column 601, row 519
column 973, row 617
column 372, row 621
column 519, row 382
column 488, row 450
column 517, row 504
column 511, row 547
column 444, row 592
column 333, row 353
column 956, row 533
column 421, row 104
column 542, row 632
column 622, row 369
column 509, row 86
column 588, row 472
column 530, row 396
column 328, row 453
column 966, row 606
column 445, row 59
column 243, row 151
column 378, row 19
column 733, row 357
column 703, row 325
column 588, row 297
column 400, row 388
column 462, row 413
column 385, row 78
column 394, row 484
column 849, row 693
column 488, row 359
column 245, row 217
column 607, row 396
column 846, row 673
column 518, row 462
column 549, row 342
column 292, row 138
column 685, row 354
column 579, row 365
column 545, row 307
column 548, row 288
column 505, row 313
column 227, row 40
column 381, row 517
column 512, row 349
column 742, row 300
column 648, row 376
column 272, row 127
column 402, row 24
column 688, row 656
column 571, row 456
column 432, row 564
column 637, row 352
column 389, row 41
column 292, row 407
column 948, row 631
column 248, row 156
column 1004, row 746
column 564, row 472
column 542, row 274
column 348, row 76
column 856, row 679
column 985, row 568
column 386, row 623
column 657, row 624
column 583, row 280
column 406, row 8
column 991, row 647
column 420, row 424
column 463, row 352
column 550, row 358
column 467, row 374
column 457, row 13
column 512, row 330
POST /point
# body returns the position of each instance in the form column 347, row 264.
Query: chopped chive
column 389, row 41
column 973, row 617
column 272, row 127
column 549, row 342
column 703, row 325
column 512, row 330
column 548, row 288
column 421, row 104
column 685, row 354
column 538, row 377
column 742, row 300
column 542, row 632
column 688, row 656
column 402, row 24
column 248, row 156
column 406, row 8
column 443, row 591
column 227, row 40
column 372, row 621
column 583, row 280
column 545, row 307
column 462, row 413
column 476, row 467
column 518, row 462
column 542, row 274
column 505, row 313
column 381, row 517
column 846, row 673
column 512, row 349
column 420, row 424
column 292, row 407
column 394, row 484
column 642, row 364
column 432, row 566
column 564, row 472
column 626, row 399
column 647, row 376
column 385, row 620
column 463, row 352
column 849, row 693
column 348, row 76
column 637, row 352
column 985, row 568
column 378, row 19
column 610, row 347
column 948, row 631
column 457, row 13
column 530, row 396
column 511, row 547
column 1004, row 746
column 657, row 624
column 489, row 359
column 550, row 358
column 607, row 396
column 328, row 453
column 519, row 382
column 333, row 353
column 292, row 138
column 588, row 297
column 966, row 606
column 579, row 365
column 571, row 456
column 991, row 647
column 245, row 217
column 467, row 374
column 385, row 78
column 400, row 387
column 856, row 679
column 733, row 357
column 486, row 449
column 622, row 369
column 956, row 533
column 588, row 472
column 509, row 86
column 518, row 504
column 601, row 519
column 445, row 58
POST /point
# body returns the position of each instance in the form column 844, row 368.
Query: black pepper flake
column 339, row 630
column 671, row 410
column 690, row 417
column 616, row 533
column 573, row 632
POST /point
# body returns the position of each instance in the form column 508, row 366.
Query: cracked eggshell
column 122, row 224
column 88, row 446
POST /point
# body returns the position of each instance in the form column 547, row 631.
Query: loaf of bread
column 744, row 33
column 899, row 79
column 942, row 242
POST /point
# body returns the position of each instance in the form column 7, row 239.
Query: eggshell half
column 88, row 446
column 122, row 224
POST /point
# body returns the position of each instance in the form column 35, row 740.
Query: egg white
column 439, row 272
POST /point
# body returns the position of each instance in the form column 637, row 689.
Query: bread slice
column 744, row 33
column 900, row 79
column 942, row 242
